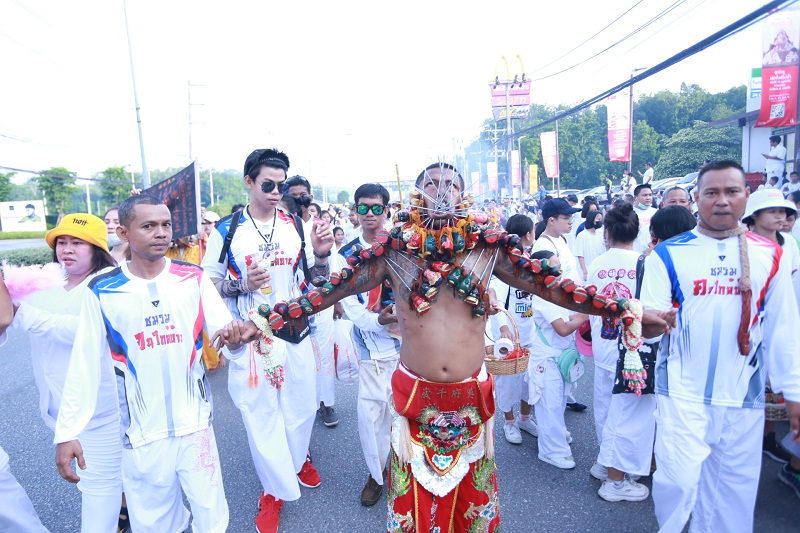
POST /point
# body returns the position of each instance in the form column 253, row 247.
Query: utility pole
column 145, row 173
column 190, row 85
column 211, row 178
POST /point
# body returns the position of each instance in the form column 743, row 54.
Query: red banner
column 491, row 174
column 619, row 126
column 780, row 66
column 516, row 176
column 549, row 153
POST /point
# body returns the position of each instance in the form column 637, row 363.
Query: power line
column 589, row 39
column 730, row 30
column 620, row 41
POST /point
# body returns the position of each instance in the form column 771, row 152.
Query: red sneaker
column 269, row 514
column 308, row 476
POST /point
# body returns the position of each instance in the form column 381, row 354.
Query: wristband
column 322, row 256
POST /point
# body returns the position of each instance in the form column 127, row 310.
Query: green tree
column 687, row 149
column 647, row 144
column 58, row 185
column 5, row 186
column 342, row 197
column 115, row 185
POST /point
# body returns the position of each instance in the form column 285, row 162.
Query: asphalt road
column 534, row 496
column 11, row 244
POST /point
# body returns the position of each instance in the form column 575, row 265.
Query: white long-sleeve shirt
column 370, row 337
column 51, row 319
column 700, row 361
column 151, row 331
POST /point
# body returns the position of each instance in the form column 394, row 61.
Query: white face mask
column 113, row 239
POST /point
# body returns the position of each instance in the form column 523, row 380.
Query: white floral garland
column 632, row 369
column 273, row 369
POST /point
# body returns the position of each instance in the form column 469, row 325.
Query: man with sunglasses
column 299, row 188
column 371, row 313
column 263, row 265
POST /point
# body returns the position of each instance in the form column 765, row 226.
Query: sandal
column 124, row 523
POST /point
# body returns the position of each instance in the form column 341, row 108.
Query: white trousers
column 278, row 423
column 628, row 434
column 16, row 510
column 322, row 343
column 709, row 462
column 154, row 474
column 509, row 390
column 546, row 390
column 603, row 385
column 375, row 413
column 101, row 482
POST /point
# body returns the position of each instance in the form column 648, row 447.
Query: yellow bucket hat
column 87, row 227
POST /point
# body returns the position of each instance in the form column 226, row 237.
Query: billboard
column 780, row 65
column 24, row 215
column 491, row 175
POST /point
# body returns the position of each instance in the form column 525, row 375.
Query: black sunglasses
column 268, row 186
column 363, row 209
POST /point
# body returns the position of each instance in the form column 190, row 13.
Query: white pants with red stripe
column 709, row 461
column 16, row 509
column 278, row 422
column 322, row 342
column 154, row 474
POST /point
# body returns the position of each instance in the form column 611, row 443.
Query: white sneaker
column 627, row 490
column 599, row 471
column 569, row 437
column 511, row 431
column 528, row 426
column 561, row 462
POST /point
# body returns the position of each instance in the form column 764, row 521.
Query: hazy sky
column 345, row 88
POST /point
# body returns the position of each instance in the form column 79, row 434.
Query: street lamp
column 630, row 119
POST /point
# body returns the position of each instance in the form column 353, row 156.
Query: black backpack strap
column 235, row 219
column 508, row 297
column 298, row 224
column 639, row 275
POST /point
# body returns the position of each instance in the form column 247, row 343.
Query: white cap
column 211, row 216
column 766, row 199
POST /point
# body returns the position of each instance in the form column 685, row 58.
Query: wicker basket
column 775, row 412
column 505, row 367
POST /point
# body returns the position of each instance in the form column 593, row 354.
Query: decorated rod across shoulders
column 436, row 258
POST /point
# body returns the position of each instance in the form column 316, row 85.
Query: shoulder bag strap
column 235, row 218
column 639, row 275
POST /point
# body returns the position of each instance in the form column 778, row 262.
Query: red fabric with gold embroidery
column 445, row 419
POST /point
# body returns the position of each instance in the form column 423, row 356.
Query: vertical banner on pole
column 476, row 183
column 181, row 194
column 533, row 173
column 491, row 174
column 619, row 126
column 516, row 178
column 780, row 65
column 549, row 153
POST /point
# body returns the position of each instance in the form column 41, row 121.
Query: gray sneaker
column 528, row 426
column 627, row 490
column 329, row 417
column 512, row 434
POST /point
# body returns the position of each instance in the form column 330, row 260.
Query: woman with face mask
column 590, row 243
column 116, row 246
